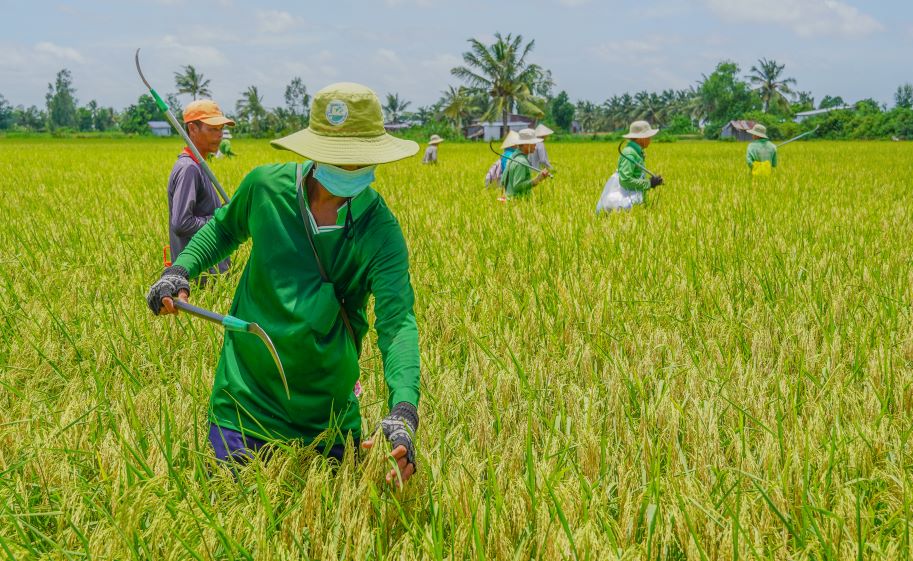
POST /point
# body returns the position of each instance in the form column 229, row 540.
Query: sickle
column 163, row 107
column 232, row 323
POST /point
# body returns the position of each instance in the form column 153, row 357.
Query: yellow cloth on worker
column 761, row 169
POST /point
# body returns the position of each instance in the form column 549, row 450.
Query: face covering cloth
column 342, row 182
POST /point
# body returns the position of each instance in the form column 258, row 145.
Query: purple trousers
column 232, row 446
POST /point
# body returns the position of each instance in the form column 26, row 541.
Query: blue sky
column 594, row 48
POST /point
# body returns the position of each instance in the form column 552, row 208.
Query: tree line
column 498, row 79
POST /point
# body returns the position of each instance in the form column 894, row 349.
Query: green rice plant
column 722, row 373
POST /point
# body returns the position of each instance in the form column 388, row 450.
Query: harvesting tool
column 537, row 170
column 232, row 323
column 795, row 138
column 163, row 107
column 635, row 162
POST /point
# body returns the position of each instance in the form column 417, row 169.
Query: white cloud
column 56, row 51
column 277, row 21
column 806, row 18
column 185, row 53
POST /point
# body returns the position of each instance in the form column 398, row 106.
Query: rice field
column 724, row 373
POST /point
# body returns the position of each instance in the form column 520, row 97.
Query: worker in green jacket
column 759, row 151
column 517, row 178
column 323, row 241
column 632, row 159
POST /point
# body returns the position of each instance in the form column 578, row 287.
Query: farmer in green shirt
column 759, row 151
column 296, row 213
column 518, row 178
column 632, row 159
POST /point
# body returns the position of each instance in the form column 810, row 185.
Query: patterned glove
column 172, row 281
column 656, row 180
column 399, row 427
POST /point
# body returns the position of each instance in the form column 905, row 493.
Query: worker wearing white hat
column 762, row 153
column 517, row 178
column 626, row 187
column 430, row 156
column 539, row 158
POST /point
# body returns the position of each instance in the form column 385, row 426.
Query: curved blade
column 140, row 70
column 258, row 331
column 625, row 156
column 537, row 170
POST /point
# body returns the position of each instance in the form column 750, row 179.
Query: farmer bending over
column 517, row 178
column 322, row 210
column 192, row 199
column 762, row 153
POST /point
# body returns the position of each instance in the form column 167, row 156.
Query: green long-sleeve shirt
column 519, row 178
column 761, row 150
column 630, row 176
column 281, row 289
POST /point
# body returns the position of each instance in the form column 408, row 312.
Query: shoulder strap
column 307, row 228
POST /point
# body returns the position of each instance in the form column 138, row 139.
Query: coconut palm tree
column 502, row 71
column 192, row 82
column 250, row 109
column 456, row 105
column 394, row 107
column 770, row 85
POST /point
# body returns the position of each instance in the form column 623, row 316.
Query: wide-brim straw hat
column 758, row 130
column 347, row 128
column 435, row 139
column 542, row 131
column 525, row 136
column 509, row 140
column 641, row 129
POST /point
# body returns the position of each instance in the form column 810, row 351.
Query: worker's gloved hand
column 399, row 427
column 170, row 285
column 656, row 180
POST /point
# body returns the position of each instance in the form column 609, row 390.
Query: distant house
column 737, row 130
column 806, row 114
column 160, row 128
column 491, row 130
column 396, row 127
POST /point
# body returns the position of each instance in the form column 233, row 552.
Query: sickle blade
column 258, row 331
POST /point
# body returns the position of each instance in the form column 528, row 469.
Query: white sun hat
column 435, row 139
column 641, row 129
column 542, row 131
column 758, row 130
column 509, row 140
column 525, row 136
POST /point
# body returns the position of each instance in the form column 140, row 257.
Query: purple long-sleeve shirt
column 192, row 200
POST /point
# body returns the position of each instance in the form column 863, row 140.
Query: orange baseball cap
column 206, row 110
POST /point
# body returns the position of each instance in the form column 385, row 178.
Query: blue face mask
column 342, row 182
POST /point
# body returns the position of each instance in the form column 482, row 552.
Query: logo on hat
column 337, row 112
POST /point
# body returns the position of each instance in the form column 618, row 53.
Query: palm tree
column 456, row 105
column 501, row 70
column 250, row 108
column 773, row 89
column 192, row 82
column 395, row 106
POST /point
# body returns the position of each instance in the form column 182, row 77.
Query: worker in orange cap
column 192, row 199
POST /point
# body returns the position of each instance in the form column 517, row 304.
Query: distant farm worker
column 225, row 145
column 539, row 157
column 517, row 179
column 493, row 177
column 627, row 186
column 762, row 153
column 192, row 199
column 431, row 152
column 323, row 241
